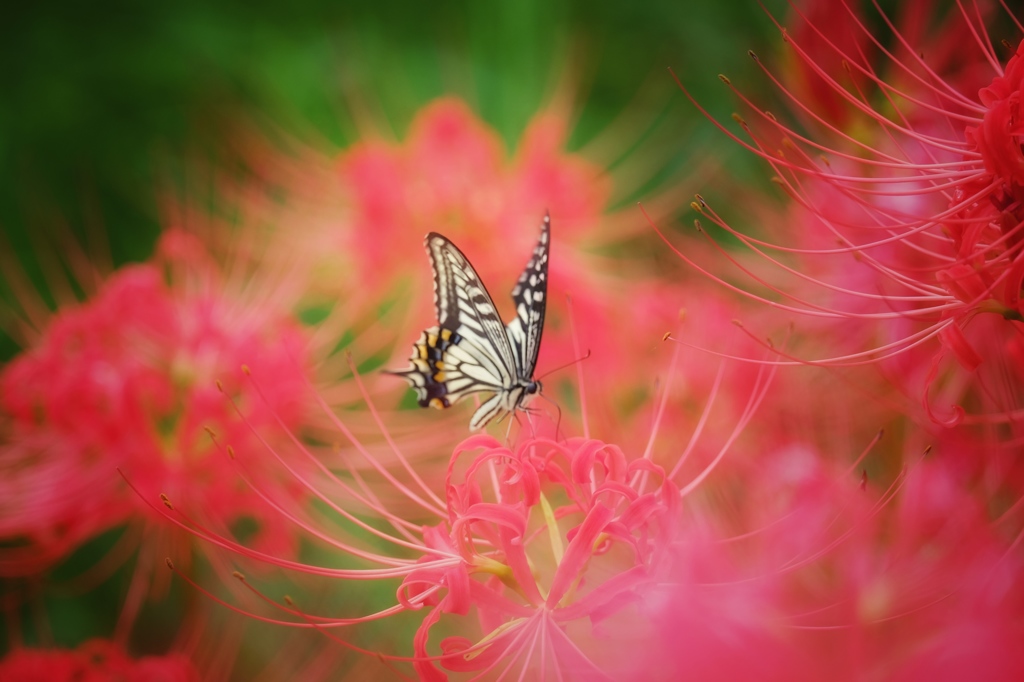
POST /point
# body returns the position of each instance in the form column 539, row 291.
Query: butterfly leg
column 508, row 431
column 530, row 411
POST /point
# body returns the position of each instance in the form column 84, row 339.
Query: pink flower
column 907, row 230
column 452, row 175
column 556, row 552
column 94, row 661
column 129, row 381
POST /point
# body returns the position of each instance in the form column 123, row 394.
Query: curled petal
column 424, row 667
column 578, row 552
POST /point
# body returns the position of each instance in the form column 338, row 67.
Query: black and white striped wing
column 464, row 306
column 446, row 367
column 468, row 351
column 530, row 296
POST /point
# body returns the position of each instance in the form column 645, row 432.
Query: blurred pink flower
column 359, row 217
column 94, row 661
column 451, row 175
column 814, row 576
column 128, row 381
column 907, row 228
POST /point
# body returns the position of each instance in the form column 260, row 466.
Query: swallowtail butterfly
column 471, row 350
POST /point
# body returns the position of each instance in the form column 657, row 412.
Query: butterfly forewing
column 471, row 350
column 530, row 297
column 464, row 306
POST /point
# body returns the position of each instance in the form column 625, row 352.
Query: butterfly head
column 529, row 391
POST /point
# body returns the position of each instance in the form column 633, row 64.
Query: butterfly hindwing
column 445, row 367
column 471, row 350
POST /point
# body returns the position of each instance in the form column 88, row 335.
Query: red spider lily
column 129, row 380
column 572, row 532
column 94, row 661
column 578, row 513
column 909, row 228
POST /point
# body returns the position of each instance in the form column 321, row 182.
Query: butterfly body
column 471, row 350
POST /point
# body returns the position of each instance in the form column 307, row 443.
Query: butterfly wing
column 530, row 296
column 445, row 367
column 468, row 351
column 464, row 307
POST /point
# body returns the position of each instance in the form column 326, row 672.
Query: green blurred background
column 94, row 93
column 100, row 98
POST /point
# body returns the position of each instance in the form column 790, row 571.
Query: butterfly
column 471, row 350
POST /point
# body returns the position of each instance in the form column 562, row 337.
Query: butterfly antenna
column 568, row 364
